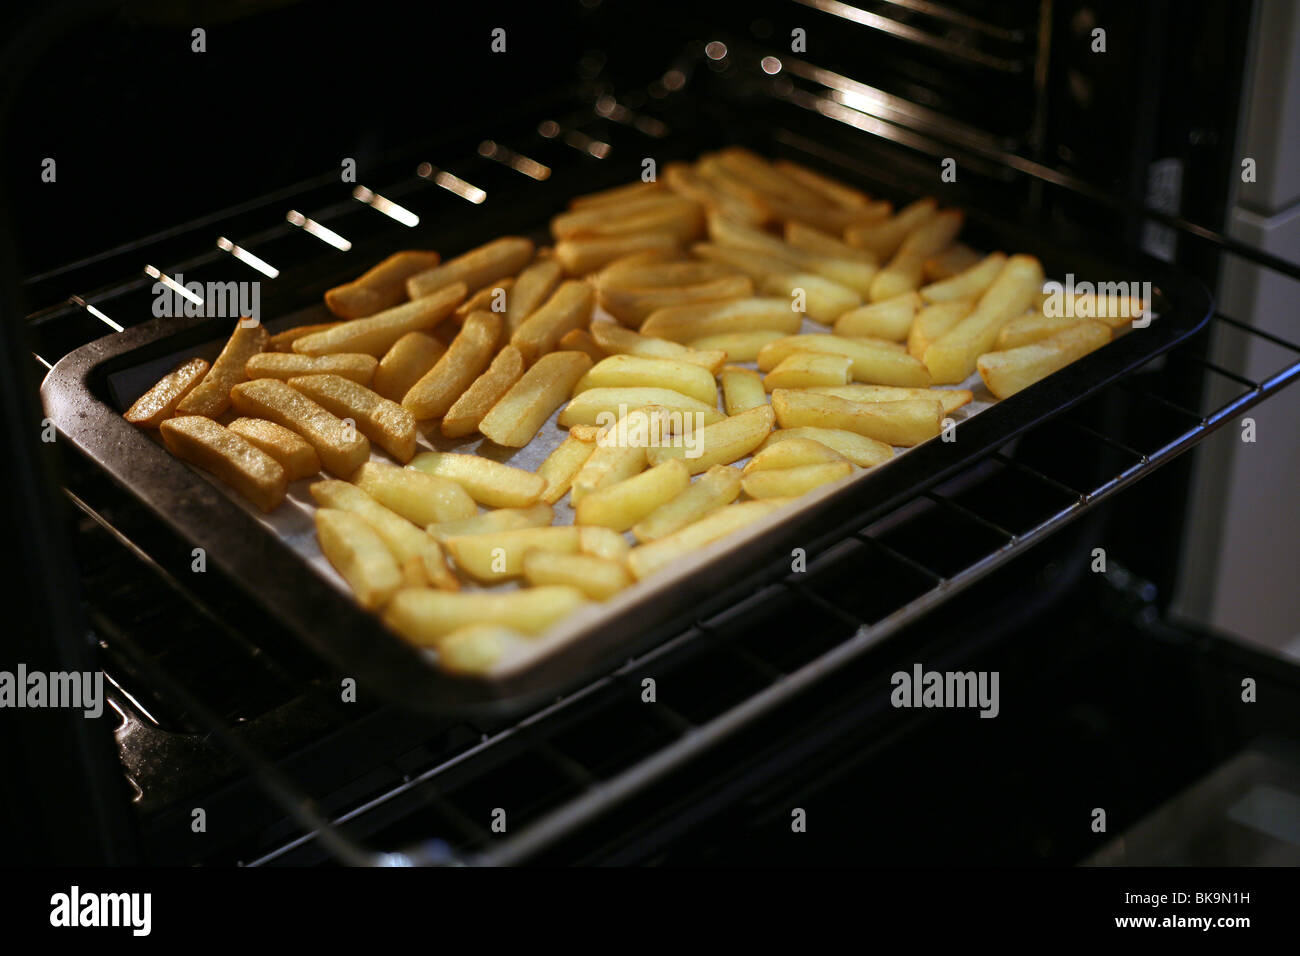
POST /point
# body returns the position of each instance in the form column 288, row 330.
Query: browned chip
column 236, row 461
column 380, row 288
column 211, row 396
column 464, row 361
column 463, row 418
column 157, row 404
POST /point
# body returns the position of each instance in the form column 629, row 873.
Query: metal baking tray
column 87, row 391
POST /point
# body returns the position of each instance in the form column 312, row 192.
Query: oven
column 1077, row 556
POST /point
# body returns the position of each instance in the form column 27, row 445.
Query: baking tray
column 85, row 393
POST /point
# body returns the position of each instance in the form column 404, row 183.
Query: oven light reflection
column 386, row 206
column 323, row 233
column 246, row 257
column 172, row 284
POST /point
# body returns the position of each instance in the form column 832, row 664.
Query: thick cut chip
column 158, row 404
column 340, row 447
column 381, row 287
column 235, row 460
column 211, row 396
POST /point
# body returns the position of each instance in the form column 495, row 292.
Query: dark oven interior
column 776, row 699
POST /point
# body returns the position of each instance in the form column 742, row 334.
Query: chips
column 158, row 404
column 211, row 396
column 235, row 460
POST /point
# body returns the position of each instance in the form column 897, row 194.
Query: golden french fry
column 716, row 487
column 887, row 319
column 875, row 361
column 862, row 451
column 379, row 288
column 1031, row 327
column 589, row 407
column 685, row 322
column 227, row 455
column 524, row 409
column 632, row 306
column 738, row 346
column 476, row 268
column 295, row 455
column 830, row 189
column 761, row 254
column 376, row 334
column 402, row 538
column 157, row 404
column 494, row 297
column 665, row 212
column 958, row 257
column 617, row 195
column 438, row 572
column 742, row 389
column 580, row 340
column 387, row 424
column 719, row 444
column 648, row 558
column 792, row 482
column 832, row 219
column 491, row 557
column 402, row 365
column 683, row 180
column 1007, row 372
column 283, row 341
column 757, row 173
column 934, row 321
column 620, row 451
column 340, row 447
column 622, row 371
column 951, row 398
column 905, row 271
column 476, row 649
column 466, row 359
column 792, row 453
column 533, row 287
column 906, row 422
column 286, row 365
column 358, row 553
column 883, row 237
column 569, row 307
column 423, row 615
column 420, row 498
column 804, row 237
column 474, row 404
column 617, row 340
column 602, row 543
column 584, row 255
column 488, row 482
column 809, row 369
column 951, row 358
column 562, row 465
column 503, row 519
column 211, row 396
column 619, row 506
column 597, row 578
column 969, row 283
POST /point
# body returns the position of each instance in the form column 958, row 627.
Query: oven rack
column 431, row 770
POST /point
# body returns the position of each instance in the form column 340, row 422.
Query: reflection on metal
column 386, row 206
column 323, row 233
column 451, row 182
column 516, row 161
column 78, row 300
column 875, row 21
column 172, row 284
column 246, row 257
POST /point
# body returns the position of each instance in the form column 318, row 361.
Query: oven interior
column 782, row 700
